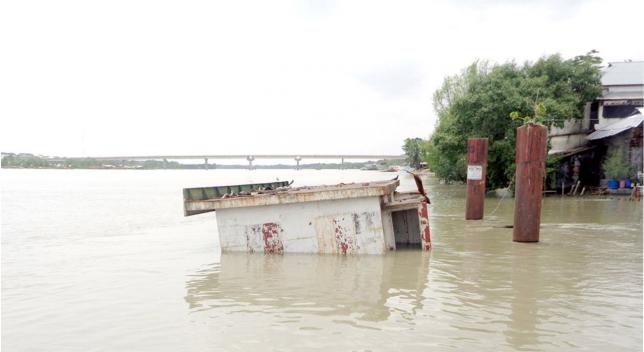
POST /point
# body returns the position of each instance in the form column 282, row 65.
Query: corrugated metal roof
column 617, row 127
column 623, row 73
column 572, row 151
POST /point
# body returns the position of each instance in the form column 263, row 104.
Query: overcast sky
column 81, row 78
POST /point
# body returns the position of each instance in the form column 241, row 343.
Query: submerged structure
column 347, row 218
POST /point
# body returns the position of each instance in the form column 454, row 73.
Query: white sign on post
column 474, row 172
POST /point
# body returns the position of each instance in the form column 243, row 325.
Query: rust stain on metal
column 271, row 235
column 266, row 237
column 338, row 233
column 423, row 215
column 340, row 238
column 345, row 239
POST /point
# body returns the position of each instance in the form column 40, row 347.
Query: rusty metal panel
column 423, row 216
column 271, row 234
column 419, row 186
column 345, row 234
column 338, row 234
column 265, row 237
column 204, row 193
column 293, row 195
column 530, row 172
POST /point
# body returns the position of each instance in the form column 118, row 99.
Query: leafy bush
column 477, row 103
column 616, row 166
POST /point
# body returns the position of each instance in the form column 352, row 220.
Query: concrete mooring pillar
column 530, row 172
column 476, row 170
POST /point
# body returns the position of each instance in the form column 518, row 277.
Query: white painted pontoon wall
column 350, row 225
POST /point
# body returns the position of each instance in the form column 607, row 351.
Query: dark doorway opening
column 406, row 228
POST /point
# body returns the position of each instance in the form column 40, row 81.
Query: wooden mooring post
column 476, row 169
column 530, row 171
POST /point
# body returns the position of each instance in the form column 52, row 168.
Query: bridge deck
column 244, row 156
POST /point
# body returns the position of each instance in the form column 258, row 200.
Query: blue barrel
column 613, row 184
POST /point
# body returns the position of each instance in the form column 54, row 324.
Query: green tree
column 479, row 101
column 616, row 166
column 413, row 148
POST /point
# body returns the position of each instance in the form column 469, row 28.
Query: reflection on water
column 368, row 288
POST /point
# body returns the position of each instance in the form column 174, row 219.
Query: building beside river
column 611, row 123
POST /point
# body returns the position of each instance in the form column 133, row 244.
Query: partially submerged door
column 406, row 228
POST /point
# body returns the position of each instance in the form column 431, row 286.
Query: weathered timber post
column 530, row 171
column 476, row 168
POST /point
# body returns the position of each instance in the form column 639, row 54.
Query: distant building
column 623, row 93
column 611, row 122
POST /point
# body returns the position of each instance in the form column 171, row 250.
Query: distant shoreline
column 30, row 161
column 217, row 167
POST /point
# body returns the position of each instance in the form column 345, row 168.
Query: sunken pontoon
column 354, row 218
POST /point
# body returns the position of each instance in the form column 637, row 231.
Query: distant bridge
column 248, row 157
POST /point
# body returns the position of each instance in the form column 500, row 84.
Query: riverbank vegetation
column 478, row 103
column 616, row 166
column 414, row 149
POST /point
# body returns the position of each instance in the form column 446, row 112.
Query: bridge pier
column 297, row 160
column 205, row 161
column 342, row 163
column 165, row 163
column 250, row 159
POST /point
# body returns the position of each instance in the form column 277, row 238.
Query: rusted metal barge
column 347, row 218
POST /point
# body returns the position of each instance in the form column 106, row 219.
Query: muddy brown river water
column 98, row 260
